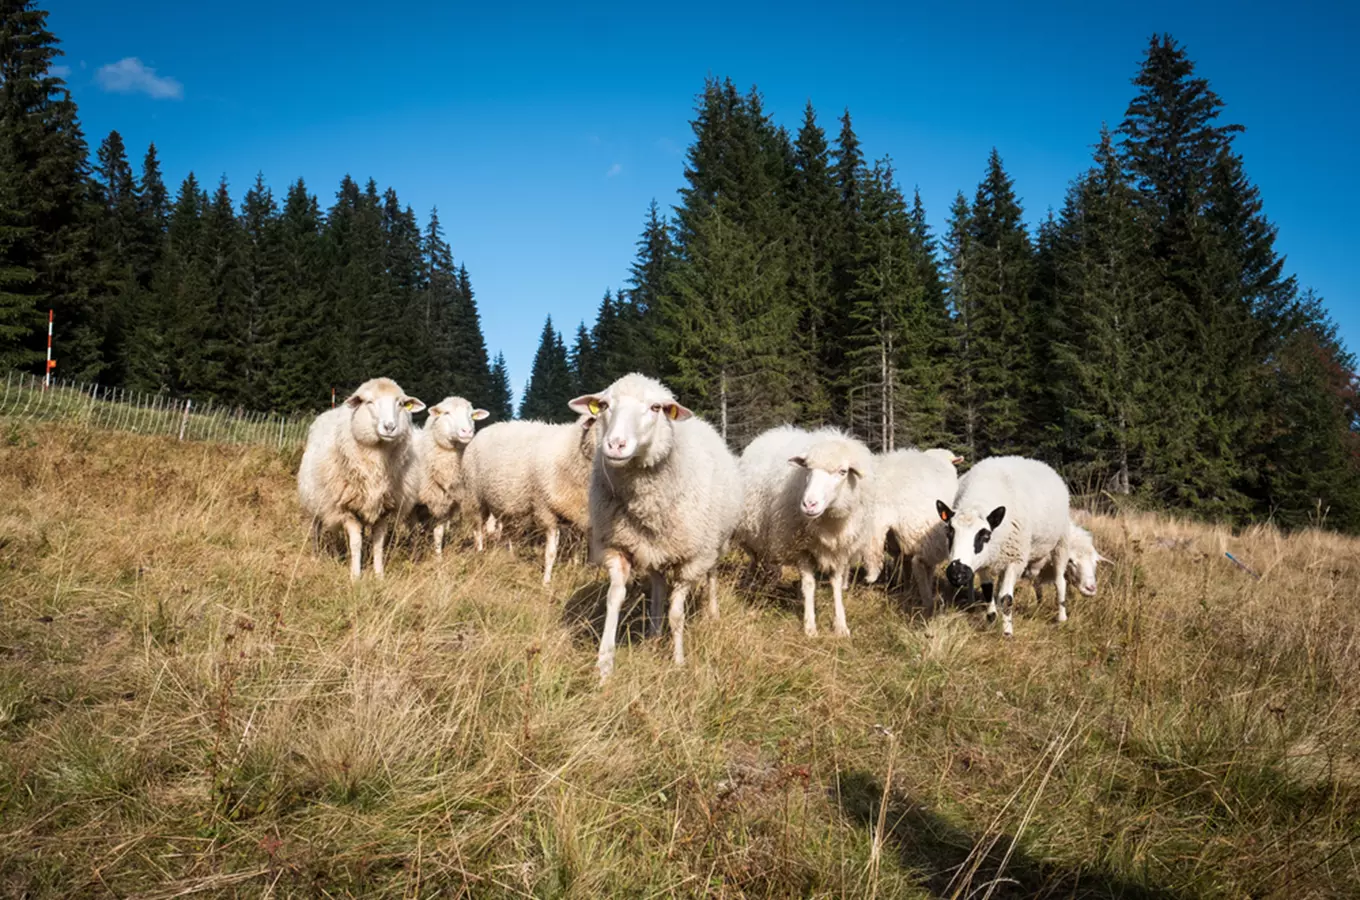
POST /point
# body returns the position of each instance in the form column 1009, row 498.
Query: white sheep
column 359, row 467
column 808, row 503
column 440, row 446
column 532, row 470
column 1082, row 558
column 665, row 496
column 1009, row 513
column 906, row 485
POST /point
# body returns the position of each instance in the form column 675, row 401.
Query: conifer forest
column 1146, row 338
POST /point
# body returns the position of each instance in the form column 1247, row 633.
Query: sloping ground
column 191, row 703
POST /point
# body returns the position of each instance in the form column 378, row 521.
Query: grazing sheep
column 665, row 496
column 440, row 446
column 1009, row 514
column 808, row 503
column 1082, row 557
column 906, row 484
column 532, row 470
column 359, row 467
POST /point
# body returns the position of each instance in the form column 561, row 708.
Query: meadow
column 193, row 703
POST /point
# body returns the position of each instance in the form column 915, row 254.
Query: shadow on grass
column 953, row 862
column 583, row 613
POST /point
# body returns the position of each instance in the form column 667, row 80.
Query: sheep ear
column 479, row 414
column 995, row 517
column 1102, row 559
column 587, row 422
column 854, row 470
column 354, row 401
column 588, row 404
column 945, row 512
column 677, row 413
column 412, row 405
column 799, row 461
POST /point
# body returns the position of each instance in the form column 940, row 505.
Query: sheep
column 532, row 470
column 906, row 483
column 665, row 497
column 1082, row 557
column 808, row 503
column 440, row 446
column 359, row 467
column 1009, row 514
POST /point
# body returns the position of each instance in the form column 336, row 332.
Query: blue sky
column 541, row 133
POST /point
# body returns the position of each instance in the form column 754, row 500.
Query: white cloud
column 131, row 76
column 613, row 170
column 58, row 71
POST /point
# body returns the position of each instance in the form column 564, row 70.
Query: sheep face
column 452, row 421
column 1082, row 559
column 381, row 412
column 969, row 535
column 636, row 415
column 832, row 477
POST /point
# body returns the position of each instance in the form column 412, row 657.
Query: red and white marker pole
column 51, row 364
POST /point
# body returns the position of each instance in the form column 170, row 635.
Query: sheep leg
column 656, row 603
column 1007, row 591
column 988, row 597
column 677, row 620
column 619, row 569
column 809, row 579
column 550, row 554
column 925, row 583
column 712, row 594
column 873, row 559
column 316, row 536
column 1059, row 584
column 479, row 532
column 355, row 531
column 379, row 538
column 839, row 577
column 439, row 540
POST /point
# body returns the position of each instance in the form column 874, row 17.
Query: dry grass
column 191, row 704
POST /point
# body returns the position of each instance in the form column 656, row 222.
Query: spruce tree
column 586, row 368
column 1106, row 358
column 262, row 274
column 999, row 281
column 963, row 395
column 121, row 247
column 305, row 366
column 53, row 209
column 17, row 304
column 500, row 402
column 551, row 386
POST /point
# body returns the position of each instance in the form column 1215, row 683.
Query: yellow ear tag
column 407, row 404
column 672, row 412
column 943, row 517
column 594, row 407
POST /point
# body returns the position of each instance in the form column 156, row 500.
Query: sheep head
column 380, row 412
column 834, row 470
column 452, row 421
column 637, row 417
column 969, row 534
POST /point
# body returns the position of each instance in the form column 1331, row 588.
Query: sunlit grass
column 191, row 703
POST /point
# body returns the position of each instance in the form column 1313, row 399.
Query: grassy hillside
column 192, row 704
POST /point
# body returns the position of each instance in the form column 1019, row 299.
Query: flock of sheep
column 659, row 493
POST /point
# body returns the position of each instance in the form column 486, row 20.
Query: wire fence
column 26, row 399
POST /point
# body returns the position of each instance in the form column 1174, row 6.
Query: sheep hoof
column 842, row 631
column 991, row 617
column 810, row 630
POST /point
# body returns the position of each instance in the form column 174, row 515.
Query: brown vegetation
column 191, row 703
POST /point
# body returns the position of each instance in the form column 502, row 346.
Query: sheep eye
column 983, row 537
column 843, row 471
column 656, row 407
